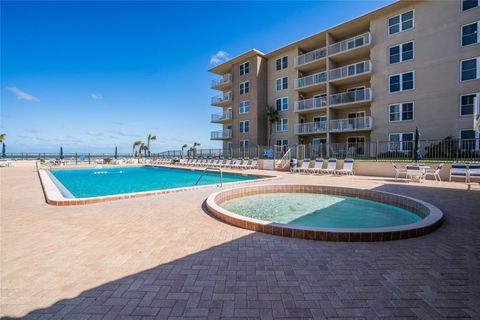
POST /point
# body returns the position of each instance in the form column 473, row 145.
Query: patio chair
column 399, row 171
column 347, row 167
column 459, row 170
column 317, row 166
column 245, row 162
column 474, row 172
column 236, row 164
column 435, row 173
column 331, row 166
column 253, row 164
column 305, row 165
column 415, row 171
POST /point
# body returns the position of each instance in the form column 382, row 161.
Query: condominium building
column 412, row 64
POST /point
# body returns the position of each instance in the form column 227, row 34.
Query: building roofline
column 220, row 69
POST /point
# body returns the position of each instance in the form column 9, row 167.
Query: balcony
column 352, row 124
column 313, row 104
column 311, row 59
column 352, row 97
column 311, row 82
column 223, row 82
column 222, row 100
column 311, row 127
column 360, row 41
column 221, row 117
column 221, row 135
column 352, row 72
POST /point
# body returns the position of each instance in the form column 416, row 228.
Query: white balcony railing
column 311, row 56
column 222, row 98
column 311, row 127
column 222, row 134
column 350, row 97
column 350, row 44
column 226, row 78
column 311, row 80
column 222, row 116
column 310, row 104
column 350, row 70
column 353, row 124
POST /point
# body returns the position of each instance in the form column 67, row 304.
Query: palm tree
column 272, row 117
column 141, row 147
column 150, row 137
column 2, row 137
column 185, row 146
column 194, row 148
column 135, row 144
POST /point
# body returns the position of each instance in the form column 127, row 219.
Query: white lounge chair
column 474, row 172
column 253, row 164
column 399, row 171
column 435, row 172
column 317, row 166
column 305, row 165
column 331, row 166
column 347, row 167
column 459, row 170
column 236, row 164
column 415, row 172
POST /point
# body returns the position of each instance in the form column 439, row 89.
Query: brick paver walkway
column 164, row 257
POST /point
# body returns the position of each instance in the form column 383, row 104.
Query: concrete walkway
column 164, row 256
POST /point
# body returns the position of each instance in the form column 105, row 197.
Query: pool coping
column 53, row 194
column 432, row 217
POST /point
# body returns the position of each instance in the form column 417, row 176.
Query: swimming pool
column 320, row 210
column 98, row 182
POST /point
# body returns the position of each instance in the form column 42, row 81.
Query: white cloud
column 94, row 133
column 22, row 95
column 95, row 96
column 219, row 57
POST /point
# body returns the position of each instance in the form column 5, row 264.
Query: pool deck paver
column 165, row 257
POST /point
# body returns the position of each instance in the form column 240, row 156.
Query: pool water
column 319, row 210
column 84, row 183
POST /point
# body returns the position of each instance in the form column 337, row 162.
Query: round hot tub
column 325, row 212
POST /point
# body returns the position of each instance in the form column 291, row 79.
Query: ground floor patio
column 164, row 256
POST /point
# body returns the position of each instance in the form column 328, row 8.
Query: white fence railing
column 350, row 44
column 222, row 98
column 350, row 70
column 221, row 134
column 352, row 124
column 350, row 97
column 310, row 57
column 221, row 116
column 310, row 104
column 313, row 79
column 311, row 127
column 226, row 78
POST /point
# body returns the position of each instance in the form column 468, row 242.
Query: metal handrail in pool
column 211, row 169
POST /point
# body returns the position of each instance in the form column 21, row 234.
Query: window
column 282, row 83
column 468, row 102
column 469, row 4
column 470, row 34
column 243, row 145
column 282, row 104
column 244, row 87
column 244, row 126
column 400, row 53
column 401, row 82
column 282, row 142
column 470, row 69
column 400, row 141
column 469, row 140
column 282, row 125
column 401, row 111
column 400, row 23
column 244, row 106
column 282, row 63
column 244, row 68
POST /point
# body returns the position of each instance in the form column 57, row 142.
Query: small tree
column 272, row 117
column 134, row 146
column 149, row 138
column 185, row 146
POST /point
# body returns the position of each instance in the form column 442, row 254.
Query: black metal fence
column 430, row 150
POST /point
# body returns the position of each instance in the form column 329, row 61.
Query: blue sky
column 94, row 75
